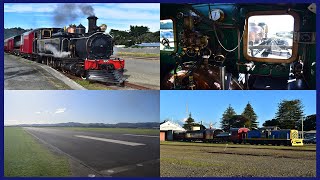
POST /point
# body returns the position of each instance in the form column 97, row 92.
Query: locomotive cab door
column 34, row 43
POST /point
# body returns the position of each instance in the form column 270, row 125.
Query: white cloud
column 138, row 6
column 60, row 110
column 38, row 112
column 29, row 7
column 121, row 14
column 11, row 122
column 126, row 14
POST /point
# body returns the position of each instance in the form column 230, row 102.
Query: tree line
column 136, row 35
column 288, row 116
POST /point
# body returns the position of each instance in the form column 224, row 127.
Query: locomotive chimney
column 92, row 20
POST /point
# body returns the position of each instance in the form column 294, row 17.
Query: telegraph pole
column 302, row 128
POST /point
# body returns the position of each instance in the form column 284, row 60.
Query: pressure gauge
column 216, row 15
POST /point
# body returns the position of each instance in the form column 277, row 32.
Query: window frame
column 294, row 40
column 174, row 34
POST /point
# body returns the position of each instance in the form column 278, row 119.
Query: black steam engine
column 75, row 51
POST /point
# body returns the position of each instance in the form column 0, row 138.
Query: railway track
column 127, row 85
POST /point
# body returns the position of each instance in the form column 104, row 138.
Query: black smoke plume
column 68, row 13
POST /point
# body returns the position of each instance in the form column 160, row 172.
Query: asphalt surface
column 105, row 153
column 143, row 72
column 22, row 74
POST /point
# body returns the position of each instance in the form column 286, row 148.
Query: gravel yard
column 179, row 159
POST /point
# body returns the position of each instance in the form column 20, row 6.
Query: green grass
column 188, row 162
column 117, row 130
column 24, row 156
column 136, row 54
column 231, row 145
column 91, row 86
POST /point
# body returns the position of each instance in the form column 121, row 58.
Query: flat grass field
column 25, row 157
column 116, row 130
column 306, row 147
column 185, row 159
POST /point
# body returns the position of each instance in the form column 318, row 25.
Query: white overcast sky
column 276, row 23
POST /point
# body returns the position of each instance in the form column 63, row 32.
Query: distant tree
column 120, row 37
column 226, row 116
column 238, row 121
column 272, row 122
column 9, row 32
column 136, row 31
column 136, row 35
column 189, row 123
column 148, row 38
column 309, row 123
column 249, row 113
column 289, row 113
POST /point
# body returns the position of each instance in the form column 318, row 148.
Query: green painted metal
column 235, row 15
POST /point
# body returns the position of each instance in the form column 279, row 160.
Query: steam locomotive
column 263, row 136
column 72, row 50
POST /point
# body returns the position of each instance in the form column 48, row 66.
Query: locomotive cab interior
column 237, row 46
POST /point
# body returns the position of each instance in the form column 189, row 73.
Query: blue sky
column 80, row 106
column 116, row 15
column 208, row 106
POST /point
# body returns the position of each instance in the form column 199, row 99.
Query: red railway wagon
column 10, row 45
column 5, row 45
column 238, row 134
column 26, row 46
column 16, row 45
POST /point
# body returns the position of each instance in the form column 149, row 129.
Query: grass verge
column 117, row 130
column 91, row 86
column 188, row 162
column 25, row 157
column 231, row 145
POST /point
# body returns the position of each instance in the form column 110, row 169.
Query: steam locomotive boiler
column 75, row 51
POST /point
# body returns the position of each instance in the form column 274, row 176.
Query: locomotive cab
column 237, row 46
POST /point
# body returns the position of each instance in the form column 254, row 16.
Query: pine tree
column 239, row 121
column 272, row 122
column 289, row 113
column 189, row 123
column 249, row 113
column 309, row 123
column 226, row 116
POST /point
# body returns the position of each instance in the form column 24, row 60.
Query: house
column 167, row 128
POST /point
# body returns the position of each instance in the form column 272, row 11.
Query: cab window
column 167, row 39
column 46, row 34
column 270, row 38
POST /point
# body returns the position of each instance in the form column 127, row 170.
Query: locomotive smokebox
column 92, row 20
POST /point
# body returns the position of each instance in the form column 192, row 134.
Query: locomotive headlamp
column 103, row 27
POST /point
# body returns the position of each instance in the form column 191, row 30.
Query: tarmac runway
column 105, row 153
